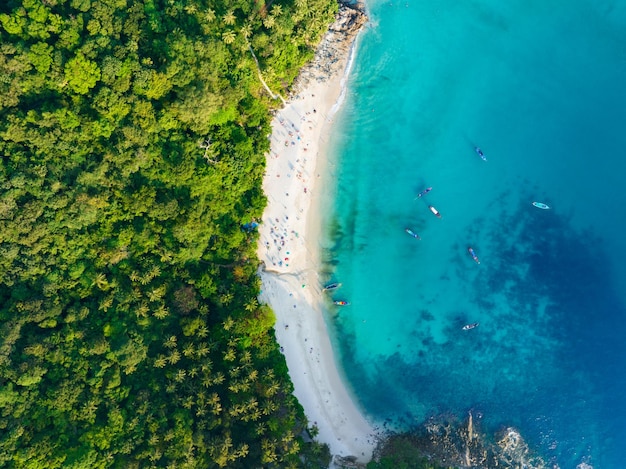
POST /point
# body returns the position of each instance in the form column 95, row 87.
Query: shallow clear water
column 539, row 86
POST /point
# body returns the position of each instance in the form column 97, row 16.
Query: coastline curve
column 288, row 241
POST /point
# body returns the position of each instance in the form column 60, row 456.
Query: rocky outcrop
column 464, row 446
column 450, row 442
column 347, row 462
column 514, row 451
column 333, row 52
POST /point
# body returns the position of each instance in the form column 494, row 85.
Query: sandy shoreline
column 289, row 243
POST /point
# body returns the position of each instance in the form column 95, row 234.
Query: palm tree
column 216, row 409
column 269, row 451
column 269, row 407
column 207, row 381
column 276, row 10
column 101, row 281
column 251, row 305
column 155, row 271
column 203, row 351
column 161, row 312
column 229, row 18
column 234, row 371
column 242, row 452
column 272, row 389
column 246, row 357
column 188, row 402
column 246, row 30
column 142, row 310
column 209, row 15
column 174, row 357
column 105, row 304
column 228, row 324
column 260, row 429
column 180, row 376
column 252, row 404
column 230, row 355
column 269, row 22
column 160, row 362
column 189, row 350
column 228, row 37
column 226, row 298
column 157, row 293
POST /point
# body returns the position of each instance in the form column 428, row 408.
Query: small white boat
column 435, row 211
column 469, row 327
column 541, row 205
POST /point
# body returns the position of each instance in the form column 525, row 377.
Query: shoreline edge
column 289, row 241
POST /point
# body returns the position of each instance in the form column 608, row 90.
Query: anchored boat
column 473, row 254
column 541, row 205
column 435, row 211
column 331, row 286
column 480, row 153
column 467, row 327
column 341, row 303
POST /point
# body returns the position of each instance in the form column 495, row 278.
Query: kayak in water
column 424, row 192
column 410, row 232
column 473, row 254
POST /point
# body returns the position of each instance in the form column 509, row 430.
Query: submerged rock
column 514, row 451
column 450, row 442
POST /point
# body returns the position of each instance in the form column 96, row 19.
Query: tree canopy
column 132, row 143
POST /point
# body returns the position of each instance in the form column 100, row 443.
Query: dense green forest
column 132, row 143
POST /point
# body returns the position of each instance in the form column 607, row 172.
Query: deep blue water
column 540, row 87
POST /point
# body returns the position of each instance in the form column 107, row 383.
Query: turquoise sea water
column 540, row 86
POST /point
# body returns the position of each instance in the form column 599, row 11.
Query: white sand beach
column 289, row 243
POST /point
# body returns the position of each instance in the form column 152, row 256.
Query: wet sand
column 289, row 244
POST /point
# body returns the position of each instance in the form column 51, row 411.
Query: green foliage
column 132, row 142
column 401, row 451
column 81, row 74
